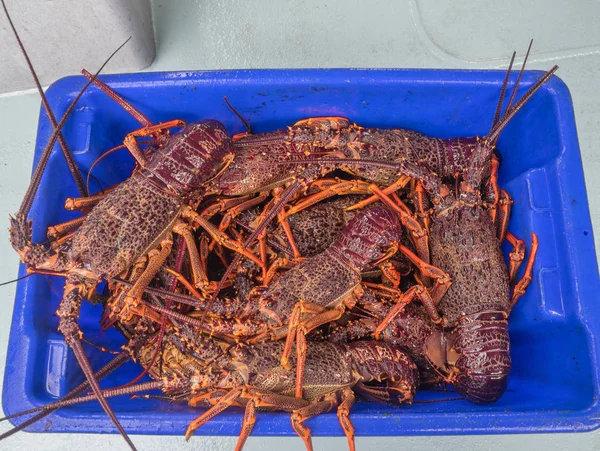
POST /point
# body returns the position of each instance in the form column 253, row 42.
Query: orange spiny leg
column 312, row 322
column 398, row 184
column 278, row 263
column 316, row 408
column 522, row 284
column 247, row 424
column 134, row 148
column 342, row 187
column 81, row 203
column 225, row 402
column 282, row 219
column 504, row 207
column 396, row 198
column 301, row 361
column 233, row 212
column 285, row 225
column 262, row 248
column 210, row 398
column 155, row 262
column 203, row 252
column 323, row 123
column 219, row 252
column 382, row 290
column 420, row 237
column 219, row 236
column 494, row 190
column 419, row 201
column 516, row 256
column 401, row 302
column 198, row 270
column 319, row 315
column 259, row 399
column 183, row 281
column 442, row 279
column 64, row 227
column 391, row 273
column 343, row 414
column 221, row 205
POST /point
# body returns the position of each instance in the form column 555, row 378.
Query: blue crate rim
column 61, row 91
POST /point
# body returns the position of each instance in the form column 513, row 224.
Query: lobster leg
column 505, row 204
column 390, row 273
column 134, row 294
column 516, row 256
column 342, row 187
column 233, row 212
column 219, row 236
column 299, row 328
column 222, row 205
column 343, row 412
column 401, row 302
column 398, row 184
column 442, row 279
column 419, row 201
column 198, row 268
column 316, row 408
column 258, row 398
column 84, row 203
column 493, row 190
column 57, row 230
column 282, row 218
column 134, row 148
column 183, row 281
column 419, row 235
column 68, row 313
column 524, row 282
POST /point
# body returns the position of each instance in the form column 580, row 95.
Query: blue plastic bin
column 555, row 328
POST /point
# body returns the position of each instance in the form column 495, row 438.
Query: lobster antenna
column 514, row 92
column 16, row 280
column 240, row 117
column 107, row 393
column 39, row 170
column 61, row 139
column 46, row 410
column 98, row 160
column 118, row 99
column 285, row 197
column 503, row 91
column 497, row 129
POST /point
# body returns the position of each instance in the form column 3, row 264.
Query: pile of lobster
column 292, row 270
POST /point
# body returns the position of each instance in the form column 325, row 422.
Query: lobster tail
column 387, row 374
column 482, row 368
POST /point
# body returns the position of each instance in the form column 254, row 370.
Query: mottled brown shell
column 123, row 226
column 327, row 369
column 261, row 163
column 464, row 244
column 323, row 279
column 317, row 227
column 408, row 331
